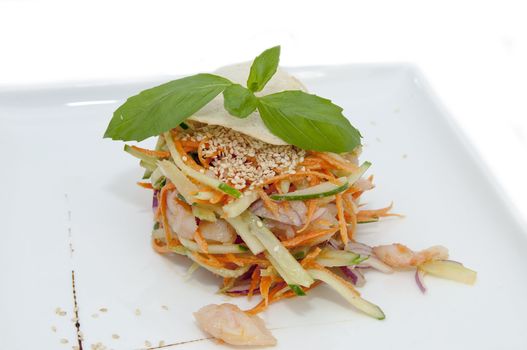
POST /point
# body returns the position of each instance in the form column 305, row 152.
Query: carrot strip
column 342, row 220
column 312, row 207
column 272, row 206
column 265, row 285
column 311, row 256
column 300, row 239
column 163, row 210
column 255, row 277
column 189, row 144
column 378, row 213
column 186, row 158
column 351, row 213
column 160, row 248
column 148, row 152
column 262, row 305
column 200, row 240
column 335, row 163
column 146, row 185
column 209, row 260
column 301, row 174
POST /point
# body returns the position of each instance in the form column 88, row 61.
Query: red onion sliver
column 155, row 203
column 356, row 277
column 419, row 274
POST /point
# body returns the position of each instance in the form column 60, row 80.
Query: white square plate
column 69, row 203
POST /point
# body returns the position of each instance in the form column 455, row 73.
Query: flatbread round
column 215, row 114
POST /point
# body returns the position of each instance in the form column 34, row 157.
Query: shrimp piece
column 230, row 324
column 398, row 255
column 180, row 219
column 219, row 231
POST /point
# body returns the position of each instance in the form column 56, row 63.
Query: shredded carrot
column 218, row 196
column 208, row 260
column 227, row 281
column 242, row 260
column 200, row 240
column 255, row 278
column 336, row 163
column 301, row 174
column 262, row 305
column 378, row 213
column 185, row 157
column 348, row 203
column 146, row 185
column 148, row 152
column 269, row 204
column 163, row 210
column 311, row 256
column 311, row 208
column 342, row 221
column 300, row 239
column 265, row 285
column 158, row 247
column 189, row 144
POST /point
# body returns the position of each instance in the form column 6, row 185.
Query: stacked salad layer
column 262, row 186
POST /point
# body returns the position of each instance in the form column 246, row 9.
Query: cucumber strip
column 324, row 189
column 139, row 155
column 238, row 206
column 220, row 271
column 203, row 213
column 179, row 250
column 204, row 179
column 147, row 174
column 147, row 165
column 283, row 258
column 450, row 270
column 182, row 183
column 297, row 290
column 215, row 248
column 241, row 225
column 157, row 179
column 357, row 175
column 348, row 292
column 332, row 258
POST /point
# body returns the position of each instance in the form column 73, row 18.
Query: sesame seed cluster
column 242, row 160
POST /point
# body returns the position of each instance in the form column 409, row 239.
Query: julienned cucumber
column 319, row 191
column 357, row 175
column 142, row 156
column 204, row 179
column 325, row 189
column 282, row 260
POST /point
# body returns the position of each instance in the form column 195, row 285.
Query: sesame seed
column 241, row 160
column 184, row 158
column 202, row 171
column 115, row 336
column 161, row 343
column 103, row 309
column 137, row 312
column 64, row 341
column 148, row 344
column 259, row 224
column 54, row 329
column 164, row 307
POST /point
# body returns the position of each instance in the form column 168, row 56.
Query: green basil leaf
column 239, row 101
column 163, row 107
column 263, row 68
column 308, row 121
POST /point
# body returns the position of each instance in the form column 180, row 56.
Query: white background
column 473, row 52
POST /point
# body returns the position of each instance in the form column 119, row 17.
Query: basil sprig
column 301, row 119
